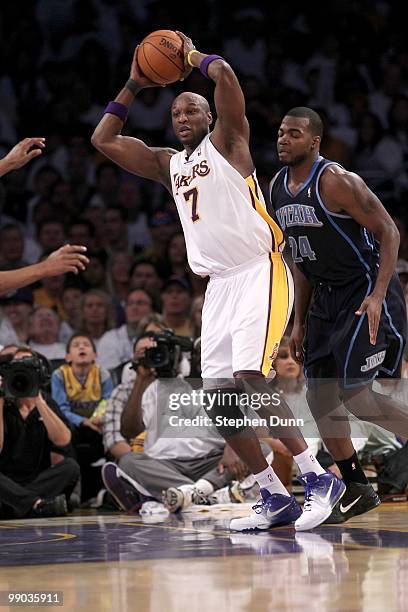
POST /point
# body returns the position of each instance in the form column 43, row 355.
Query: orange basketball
column 161, row 58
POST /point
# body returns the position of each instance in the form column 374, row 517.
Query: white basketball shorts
column 245, row 314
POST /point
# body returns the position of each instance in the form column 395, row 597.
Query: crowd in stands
column 75, row 58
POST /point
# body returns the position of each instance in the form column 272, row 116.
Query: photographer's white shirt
column 115, row 347
column 164, row 441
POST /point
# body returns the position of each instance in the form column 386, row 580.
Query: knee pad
column 223, row 408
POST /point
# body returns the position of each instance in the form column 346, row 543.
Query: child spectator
column 78, row 386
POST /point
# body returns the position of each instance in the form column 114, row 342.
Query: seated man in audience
column 116, row 345
column 44, row 333
column 36, row 473
column 78, row 386
column 16, row 306
column 174, row 465
column 11, row 247
column 176, row 298
column 144, row 275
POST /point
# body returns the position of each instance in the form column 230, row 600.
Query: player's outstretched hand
column 69, row 258
column 137, row 75
column 23, row 152
column 296, row 343
column 372, row 305
column 188, row 46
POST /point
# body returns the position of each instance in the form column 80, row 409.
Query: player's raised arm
column 346, row 192
column 130, row 153
column 231, row 131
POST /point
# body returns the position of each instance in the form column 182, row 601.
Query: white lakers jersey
column 223, row 215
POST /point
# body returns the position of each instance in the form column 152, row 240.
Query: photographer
column 174, row 465
column 35, row 473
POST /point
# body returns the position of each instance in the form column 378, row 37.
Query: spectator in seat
column 71, row 301
column 176, row 298
column 97, row 314
column 94, row 276
column 82, row 231
column 50, row 235
column 130, row 198
column 174, row 262
column 44, row 333
column 196, row 315
column 12, row 247
column 78, row 386
column 144, row 275
column 17, row 307
column 162, row 225
column 116, row 346
column 115, row 231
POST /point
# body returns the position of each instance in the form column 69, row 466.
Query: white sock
column 267, row 479
column 204, row 487
column 188, row 490
column 307, row 462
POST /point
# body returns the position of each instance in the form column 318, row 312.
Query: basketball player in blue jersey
column 350, row 318
column 231, row 238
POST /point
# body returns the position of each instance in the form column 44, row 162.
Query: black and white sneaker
column 358, row 499
column 49, row 507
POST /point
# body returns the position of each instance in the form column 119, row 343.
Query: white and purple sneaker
column 127, row 497
column 321, row 495
column 272, row 510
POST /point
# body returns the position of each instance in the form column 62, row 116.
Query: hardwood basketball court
column 193, row 562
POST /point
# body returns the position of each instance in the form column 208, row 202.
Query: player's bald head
column 188, row 97
column 191, row 119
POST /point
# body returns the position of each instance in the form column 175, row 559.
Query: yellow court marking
column 62, row 536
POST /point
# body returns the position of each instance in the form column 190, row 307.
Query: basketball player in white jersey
column 231, row 238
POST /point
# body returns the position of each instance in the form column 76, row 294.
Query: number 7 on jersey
column 192, row 195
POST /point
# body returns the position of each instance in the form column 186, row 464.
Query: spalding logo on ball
column 161, row 57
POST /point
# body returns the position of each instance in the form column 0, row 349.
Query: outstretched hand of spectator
column 69, row 258
column 22, row 153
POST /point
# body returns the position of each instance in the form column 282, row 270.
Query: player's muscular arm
column 346, row 192
column 231, row 132
column 130, row 153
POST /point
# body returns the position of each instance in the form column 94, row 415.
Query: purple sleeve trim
column 117, row 109
column 206, row 62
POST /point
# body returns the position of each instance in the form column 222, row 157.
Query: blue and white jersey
column 328, row 247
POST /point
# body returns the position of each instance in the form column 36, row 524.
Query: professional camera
column 165, row 357
column 24, row 377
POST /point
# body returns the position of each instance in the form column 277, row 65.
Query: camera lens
column 20, row 384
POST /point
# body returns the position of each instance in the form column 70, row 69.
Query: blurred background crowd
column 63, row 61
